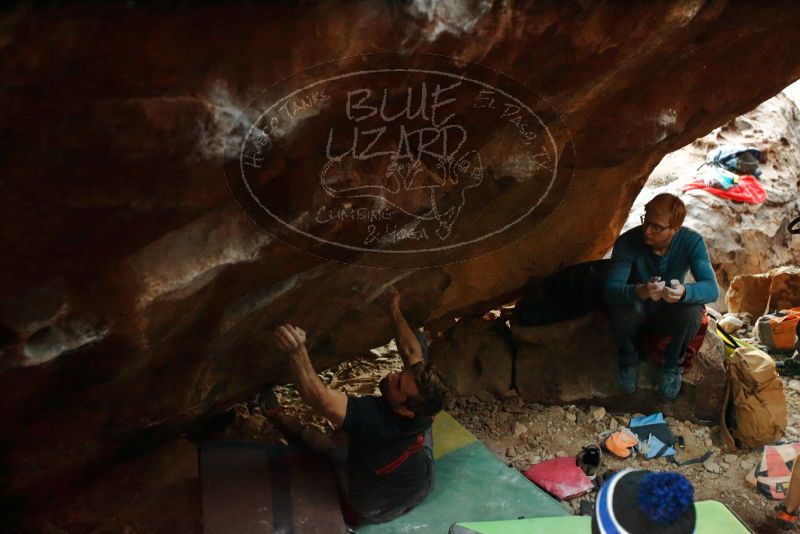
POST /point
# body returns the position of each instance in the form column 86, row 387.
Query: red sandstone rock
column 135, row 295
column 475, row 356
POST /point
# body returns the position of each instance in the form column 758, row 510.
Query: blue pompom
column 665, row 496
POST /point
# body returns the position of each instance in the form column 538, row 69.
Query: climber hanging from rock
column 387, row 468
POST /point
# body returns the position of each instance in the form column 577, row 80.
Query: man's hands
column 674, row 293
column 407, row 342
column 656, row 290
column 651, row 290
column 290, row 339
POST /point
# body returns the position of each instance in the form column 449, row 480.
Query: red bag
column 654, row 345
column 560, row 477
column 747, row 190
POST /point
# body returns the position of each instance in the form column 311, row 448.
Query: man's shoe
column 268, row 403
column 670, row 383
column 628, row 376
column 786, row 520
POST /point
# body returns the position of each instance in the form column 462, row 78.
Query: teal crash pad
column 471, row 485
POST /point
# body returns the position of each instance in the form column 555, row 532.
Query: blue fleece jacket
column 634, row 262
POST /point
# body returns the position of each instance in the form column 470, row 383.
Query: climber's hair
column 432, row 390
column 670, row 205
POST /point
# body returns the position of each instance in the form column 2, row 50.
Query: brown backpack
column 754, row 396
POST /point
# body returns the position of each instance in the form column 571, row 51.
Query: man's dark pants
column 679, row 321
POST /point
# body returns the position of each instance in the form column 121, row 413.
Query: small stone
column 794, row 385
column 557, row 412
column 510, row 394
column 730, row 323
column 791, row 430
column 486, row 397
column 252, row 425
column 561, row 454
column 511, row 451
column 613, row 424
column 571, row 417
column 581, row 417
column 730, row 458
column 599, row 427
column 520, row 429
column 712, row 467
column 598, row 413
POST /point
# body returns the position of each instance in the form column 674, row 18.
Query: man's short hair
column 670, row 205
column 432, row 390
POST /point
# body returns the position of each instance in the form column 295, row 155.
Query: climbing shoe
column 589, row 460
column 628, row 375
column 670, row 383
column 786, row 520
column 268, row 403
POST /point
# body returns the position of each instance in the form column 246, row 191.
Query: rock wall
column 742, row 238
column 136, row 296
column 474, row 356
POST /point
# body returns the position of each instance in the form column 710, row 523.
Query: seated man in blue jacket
column 645, row 289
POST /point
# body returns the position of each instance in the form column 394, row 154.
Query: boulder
column 565, row 362
column 475, row 355
column 576, row 362
column 757, row 294
column 784, row 289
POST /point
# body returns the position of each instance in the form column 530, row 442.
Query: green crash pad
column 471, row 485
column 712, row 518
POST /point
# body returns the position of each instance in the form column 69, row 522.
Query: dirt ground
column 521, row 434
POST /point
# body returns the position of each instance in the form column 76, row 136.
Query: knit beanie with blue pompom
column 634, row 502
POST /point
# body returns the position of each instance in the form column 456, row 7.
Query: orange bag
column 620, row 442
column 777, row 330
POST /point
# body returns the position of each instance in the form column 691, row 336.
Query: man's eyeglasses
column 657, row 228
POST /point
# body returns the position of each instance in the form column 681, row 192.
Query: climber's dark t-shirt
column 378, row 479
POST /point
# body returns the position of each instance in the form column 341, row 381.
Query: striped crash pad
column 471, row 485
column 260, row 488
column 712, row 518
